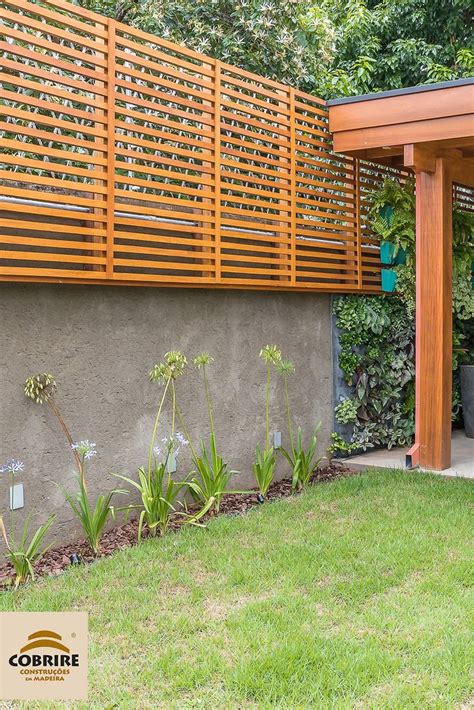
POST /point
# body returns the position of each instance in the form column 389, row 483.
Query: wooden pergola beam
column 453, row 127
column 463, row 172
column 423, row 158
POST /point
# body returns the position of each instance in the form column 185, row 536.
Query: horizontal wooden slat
column 198, row 113
column 36, row 149
column 59, row 79
column 44, row 227
column 50, row 256
column 41, row 58
column 52, row 243
column 189, row 70
column 170, row 266
column 158, row 69
column 52, row 121
column 52, row 182
column 48, row 166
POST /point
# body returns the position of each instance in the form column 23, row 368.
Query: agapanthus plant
column 166, row 373
column 22, row 553
column 12, row 467
column 158, row 491
column 285, row 369
column 93, row 517
column 41, row 389
column 211, row 474
column 302, row 460
column 265, row 461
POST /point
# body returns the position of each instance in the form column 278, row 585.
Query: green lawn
column 357, row 594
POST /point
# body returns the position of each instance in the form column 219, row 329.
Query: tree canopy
column 328, row 47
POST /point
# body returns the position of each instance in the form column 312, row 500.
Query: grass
column 356, row 594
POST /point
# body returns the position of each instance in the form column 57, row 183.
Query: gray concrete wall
column 101, row 342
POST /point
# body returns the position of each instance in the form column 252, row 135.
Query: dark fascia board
column 401, row 92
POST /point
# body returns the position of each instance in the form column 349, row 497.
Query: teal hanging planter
column 388, row 256
column 386, row 212
column 389, row 280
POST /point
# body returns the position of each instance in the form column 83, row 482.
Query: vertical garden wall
column 375, row 335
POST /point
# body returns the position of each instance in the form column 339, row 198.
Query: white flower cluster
column 86, row 449
column 171, row 445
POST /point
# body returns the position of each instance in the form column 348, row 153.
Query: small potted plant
column 393, row 221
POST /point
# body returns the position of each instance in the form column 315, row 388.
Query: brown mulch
column 56, row 560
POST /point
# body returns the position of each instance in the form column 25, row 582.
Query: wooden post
column 285, row 200
column 217, row 171
column 434, row 315
column 111, row 149
column 293, row 156
column 211, row 152
column 102, row 152
column 358, row 223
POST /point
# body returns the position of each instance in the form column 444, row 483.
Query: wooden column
column 434, row 314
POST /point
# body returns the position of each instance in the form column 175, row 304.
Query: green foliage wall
column 377, row 333
column 377, row 359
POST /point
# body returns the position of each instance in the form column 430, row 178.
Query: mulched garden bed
column 56, row 560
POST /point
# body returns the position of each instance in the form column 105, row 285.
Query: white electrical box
column 17, row 499
column 171, row 465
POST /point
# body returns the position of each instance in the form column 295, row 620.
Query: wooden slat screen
column 53, row 73
column 464, row 197
column 326, row 197
column 129, row 159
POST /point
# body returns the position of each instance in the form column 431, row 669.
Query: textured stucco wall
column 101, row 342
